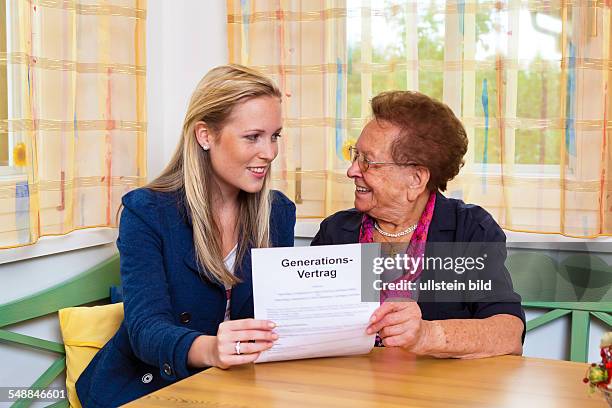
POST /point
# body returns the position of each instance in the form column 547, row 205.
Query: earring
column 206, row 147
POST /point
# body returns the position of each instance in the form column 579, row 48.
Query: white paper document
column 313, row 294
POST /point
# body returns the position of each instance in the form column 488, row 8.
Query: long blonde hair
column 190, row 170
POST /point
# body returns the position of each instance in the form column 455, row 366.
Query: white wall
column 185, row 38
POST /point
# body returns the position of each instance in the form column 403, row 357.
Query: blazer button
column 167, row 369
column 185, row 317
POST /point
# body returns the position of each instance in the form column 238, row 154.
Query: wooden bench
column 90, row 286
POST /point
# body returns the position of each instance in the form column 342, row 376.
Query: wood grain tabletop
column 387, row 377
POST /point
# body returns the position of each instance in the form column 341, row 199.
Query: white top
column 229, row 261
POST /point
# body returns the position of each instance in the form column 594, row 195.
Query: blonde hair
column 190, row 170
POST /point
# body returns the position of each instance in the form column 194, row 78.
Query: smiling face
column 383, row 190
column 242, row 152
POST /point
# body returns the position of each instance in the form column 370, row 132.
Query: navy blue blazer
column 166, row 302
column 453, row 221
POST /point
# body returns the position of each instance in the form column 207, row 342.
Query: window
column 529, row 81
column 76, row 140
column 384, row 55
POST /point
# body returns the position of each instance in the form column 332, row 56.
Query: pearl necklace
column 397, row 234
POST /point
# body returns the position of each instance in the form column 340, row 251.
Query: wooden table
column 386, row 377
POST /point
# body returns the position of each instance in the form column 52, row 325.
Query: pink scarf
column 416, row 247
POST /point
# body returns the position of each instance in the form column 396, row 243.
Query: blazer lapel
column 241, row 305
column 444, row 221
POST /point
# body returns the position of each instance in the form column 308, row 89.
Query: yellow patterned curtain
column 302, row 46
column 529, row 79
column 74, row 122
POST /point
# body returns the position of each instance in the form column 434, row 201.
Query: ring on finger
column 237, row 347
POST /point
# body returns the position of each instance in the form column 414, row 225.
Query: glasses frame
column 364, row 163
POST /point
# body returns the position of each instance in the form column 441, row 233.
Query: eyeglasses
column 364, row 163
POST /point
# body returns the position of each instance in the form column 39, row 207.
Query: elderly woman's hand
column 399, row 324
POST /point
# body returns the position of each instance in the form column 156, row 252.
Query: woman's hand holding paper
column 399, row 324
column 237, row 342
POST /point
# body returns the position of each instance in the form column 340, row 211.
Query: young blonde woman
column 184, row 242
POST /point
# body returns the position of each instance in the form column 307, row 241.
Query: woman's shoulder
column 152, row 207
column 282, row 219
column 283, row 211
column 468, row 219
column 470, row 211
column 344, row 218
column 278, row 199
column 144, row 197
column 339, row 228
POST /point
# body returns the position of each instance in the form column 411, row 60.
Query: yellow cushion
column 85, row 331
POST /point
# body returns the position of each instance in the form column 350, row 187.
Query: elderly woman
column 402, row 161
